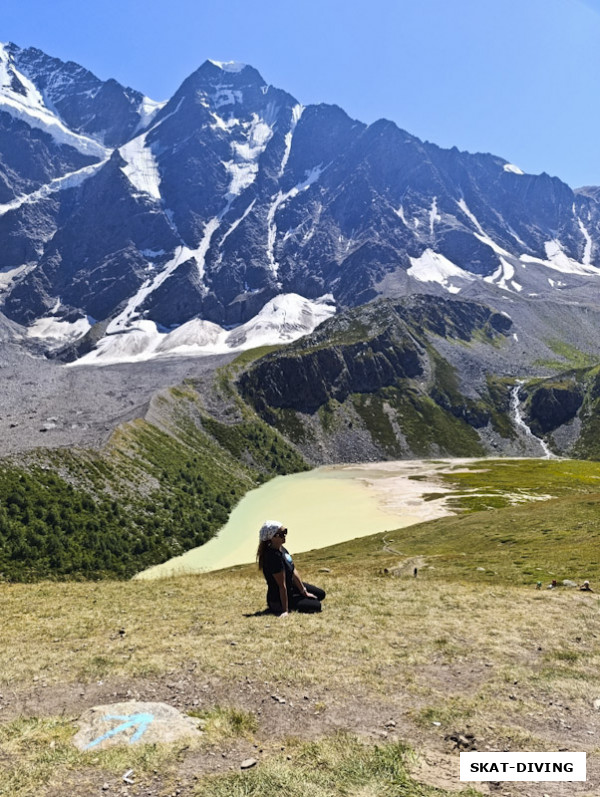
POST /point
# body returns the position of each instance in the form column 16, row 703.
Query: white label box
column 523, row 766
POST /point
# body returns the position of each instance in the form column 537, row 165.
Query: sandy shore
column 398, row 492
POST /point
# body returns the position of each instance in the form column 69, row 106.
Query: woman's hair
column 260, row 553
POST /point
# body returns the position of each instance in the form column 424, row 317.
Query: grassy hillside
column 519, row 522
column 375, row 691
column 163, row 485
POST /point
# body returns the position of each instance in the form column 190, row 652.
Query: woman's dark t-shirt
column 274, row 562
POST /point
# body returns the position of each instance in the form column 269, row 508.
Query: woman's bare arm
column 301, row 588
column 283, row 596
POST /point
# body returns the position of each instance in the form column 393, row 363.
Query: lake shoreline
column 322, row 507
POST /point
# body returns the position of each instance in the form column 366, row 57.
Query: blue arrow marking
column 142, row 720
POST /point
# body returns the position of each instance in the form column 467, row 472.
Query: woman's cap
column 268, row 530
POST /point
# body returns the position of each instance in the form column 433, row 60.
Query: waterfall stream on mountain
column 520, row 423
column 320, row 507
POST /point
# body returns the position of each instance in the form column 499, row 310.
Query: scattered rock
column 248, row 763
column 278, row 699
column 597, row 704
column 462, row 741
column 390, row 724
column 481, row 569
column 324, row 570
column 568, row 583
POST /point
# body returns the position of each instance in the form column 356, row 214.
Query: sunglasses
column 280, row 533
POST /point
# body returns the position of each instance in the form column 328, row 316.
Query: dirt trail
column 409, row 566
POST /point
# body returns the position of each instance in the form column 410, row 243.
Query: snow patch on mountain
column 433, row 267
column 297, row 111
column 57, row 331
column 516, row 237
column 147, row 110
column 433, row 215
column 282, row 320
column 8, row 275
column 587, row 252
column 485, row 239
column 310, row 177
column 400, row 214
column 141, row 167
column 237, row 222
column 226, row 125
column 226, row 95
column 556, row 283
column 181, row 255
column 510, row 167
column 481, row 233
column 558, row 260
column 229, row 66
column 243, row 167
column 21, row 99
column 199, row 254
column 503, row 277
column 465, row 209
column 71, row 180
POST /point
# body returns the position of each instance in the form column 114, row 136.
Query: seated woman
column 286, row 591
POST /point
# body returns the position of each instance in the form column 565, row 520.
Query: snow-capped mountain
column 164, row 225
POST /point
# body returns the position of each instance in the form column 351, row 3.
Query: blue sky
column 519, row 78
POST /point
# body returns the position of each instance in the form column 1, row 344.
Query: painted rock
column 132, row 722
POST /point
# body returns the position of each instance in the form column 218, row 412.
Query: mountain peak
column 232, row 71
column 228, row 66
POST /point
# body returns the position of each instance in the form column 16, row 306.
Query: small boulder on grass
column 132, row 722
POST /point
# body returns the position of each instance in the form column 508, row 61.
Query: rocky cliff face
column 565, row 411
column 121, row 210
column 364, row 351
column 310, row 380
column 372, row 383
column 552, row 405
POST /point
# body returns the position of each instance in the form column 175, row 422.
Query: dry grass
column 336, row 767
column 452, row 650
column 389, row 633
column 455, row 654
